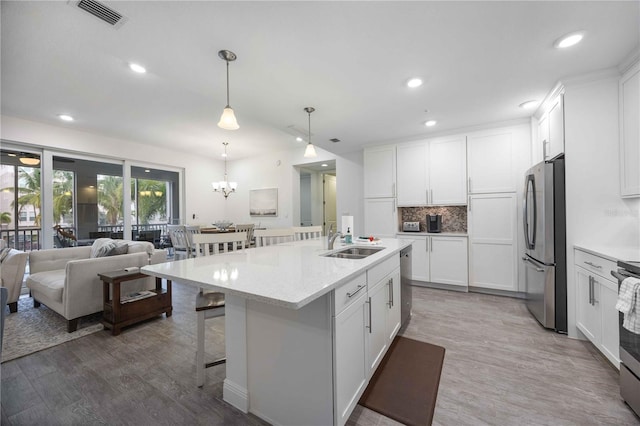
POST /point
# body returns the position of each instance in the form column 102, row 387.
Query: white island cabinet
column 299, row 325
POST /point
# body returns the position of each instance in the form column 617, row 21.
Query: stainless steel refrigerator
column 545, row 244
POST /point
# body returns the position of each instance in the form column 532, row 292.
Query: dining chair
column 267, row 237
column 211, row 304
column 248, row 228
column 307, row 232
column 179, row 241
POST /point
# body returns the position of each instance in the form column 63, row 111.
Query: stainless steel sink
column 354, row 252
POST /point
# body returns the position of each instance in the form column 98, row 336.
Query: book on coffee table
column 132, row 297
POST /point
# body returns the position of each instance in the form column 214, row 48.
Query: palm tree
column 29, row 192
column 62, row 194
column 151, row 199
column 5, row 217
column 110, row 197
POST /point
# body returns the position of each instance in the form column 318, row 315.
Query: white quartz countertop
column 612, row 253
column 290, row 275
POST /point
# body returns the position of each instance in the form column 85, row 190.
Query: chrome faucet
column 332, row 239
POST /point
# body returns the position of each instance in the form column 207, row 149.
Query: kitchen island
column 303, row 332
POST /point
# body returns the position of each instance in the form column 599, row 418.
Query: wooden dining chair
column 307, row 232
column 268, row 237
column 248, row 228
column 211, row 304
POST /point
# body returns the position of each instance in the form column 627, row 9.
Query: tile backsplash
column 454, row 218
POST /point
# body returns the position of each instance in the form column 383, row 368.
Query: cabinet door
column 587, row 314
column 448, row 258
column 395, row 303
column 378, row 302
column 380, row 217
column 493, row 243
column 555, row 146
column 490, row 157
column 630, row 132
column 380, row 172
column 412, row 183
column 542, row 140
column 448, row 171
column 419, row 257
column 350, row 358
column 610, row 340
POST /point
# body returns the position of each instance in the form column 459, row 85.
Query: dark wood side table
column 117, row 315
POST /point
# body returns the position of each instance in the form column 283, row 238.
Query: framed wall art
column 263, row 202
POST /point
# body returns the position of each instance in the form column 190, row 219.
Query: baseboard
column 439, row 286
column 494, row 292
column 235, row 395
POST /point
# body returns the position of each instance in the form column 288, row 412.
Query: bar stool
column 208, row 305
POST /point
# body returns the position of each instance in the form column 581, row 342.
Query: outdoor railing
column 28, row 238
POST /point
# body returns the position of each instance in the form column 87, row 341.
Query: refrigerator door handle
column 526, row 259
column 529, row 183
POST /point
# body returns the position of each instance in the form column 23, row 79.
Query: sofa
column 13, row 263
column 66, row 280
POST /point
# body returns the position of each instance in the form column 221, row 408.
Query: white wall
column 596, row 214
column 200, row 170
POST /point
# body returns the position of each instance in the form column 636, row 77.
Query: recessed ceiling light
column 11, row 154
column 529, row 104
column 298, row 139
column 569, row 40
column 147, row 171
column 137, row 68
column 430, row 123
column 65, row 117
column 324, row 165
column 414, row 82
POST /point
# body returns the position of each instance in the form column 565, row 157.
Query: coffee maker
column 434, row 223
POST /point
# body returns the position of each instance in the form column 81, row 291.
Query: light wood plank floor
column 501, row 368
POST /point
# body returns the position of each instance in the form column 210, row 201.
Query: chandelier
column 225, row 186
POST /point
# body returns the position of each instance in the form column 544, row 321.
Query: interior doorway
column 318, row 195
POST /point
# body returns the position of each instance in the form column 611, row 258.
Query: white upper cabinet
column 380, row 172
column 555, row 146
column 380, row 217
column 542, row 140
column 448, row 171
column 630, row 132
column 432, row 172
column 491, row 161
column 413, row 176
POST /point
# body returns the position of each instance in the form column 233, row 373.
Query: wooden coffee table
column 117, row 314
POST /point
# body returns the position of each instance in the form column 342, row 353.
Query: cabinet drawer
column 346, row 294
column 595, row 264
column 383, row 269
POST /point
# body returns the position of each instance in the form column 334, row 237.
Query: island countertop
column 289, row 275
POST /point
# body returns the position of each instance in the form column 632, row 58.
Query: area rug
column 33, row 329
column 405, row 386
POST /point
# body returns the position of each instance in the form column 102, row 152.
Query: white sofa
column 66, row 279
column 12, row 273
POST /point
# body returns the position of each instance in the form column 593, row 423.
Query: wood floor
column 500, row 368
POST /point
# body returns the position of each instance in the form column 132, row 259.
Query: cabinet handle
column 393, row 189
column 431, row 193
column 593, row 265
column 544, row 149
column 391, row 291
column 469, row 203
column 369, row 327
column 469, row 184
column 593, row 284
column 350, row 295
column 590, row 290
column 427, row 195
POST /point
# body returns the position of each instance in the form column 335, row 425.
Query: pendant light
column 225, row 186
column 228, row 119
column 310, row 151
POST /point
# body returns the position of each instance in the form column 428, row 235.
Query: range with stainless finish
column 629, row 347
column 405, row 284
column 545, row 244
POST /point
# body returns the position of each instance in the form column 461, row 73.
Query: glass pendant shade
column 228, row 119
column 310, row 151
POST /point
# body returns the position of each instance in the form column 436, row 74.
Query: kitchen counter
column 434, row 234
column 611, row 253
column 290, row 275
column 283, row 327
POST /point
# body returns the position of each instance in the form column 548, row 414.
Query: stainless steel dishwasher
column 405, row 284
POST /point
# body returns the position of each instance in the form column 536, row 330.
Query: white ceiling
column 349, row 60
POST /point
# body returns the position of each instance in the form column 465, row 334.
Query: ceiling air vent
column 102, row 12
column 334, row 140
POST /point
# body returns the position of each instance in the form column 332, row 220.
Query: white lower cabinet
column 367, row 318
column 596, row 297
column 439, row 259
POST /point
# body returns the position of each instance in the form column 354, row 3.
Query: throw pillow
column 101, row 247
column 118, row 250
column 3, row 253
